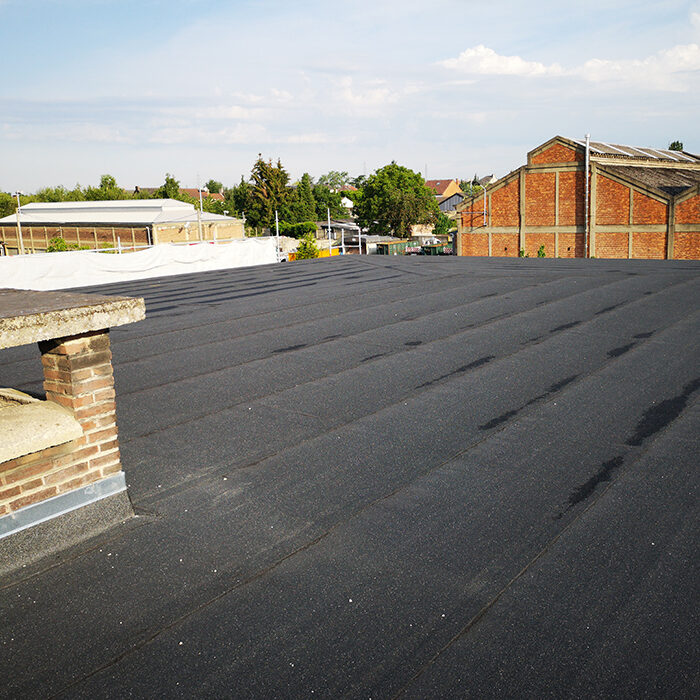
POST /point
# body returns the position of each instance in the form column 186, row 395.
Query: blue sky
column 457, row 87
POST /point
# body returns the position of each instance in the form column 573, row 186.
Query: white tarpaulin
column 83, row 268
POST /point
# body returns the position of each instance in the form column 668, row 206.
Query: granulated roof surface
column 669, row 180
column 383, row 477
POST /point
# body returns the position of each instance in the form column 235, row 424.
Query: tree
column 107, row 190
column 328, row 200
column 334, row 180
column 307, row 247
column 443, row 225
column 358, row 181
column 60, row 194
column 214, row 186
column 302, row 205
column 238, row 198
column 8, row 204
column 675, row 146
column 269, row 193
column 394, row 199
column 170, row 189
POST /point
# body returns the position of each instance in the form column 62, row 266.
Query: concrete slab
column 30, row 316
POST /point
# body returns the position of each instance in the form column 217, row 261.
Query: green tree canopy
column 334, row 180
column 214, row 186
column 107, row 190
column 238, row 198
column 326, row 200
column 307, row 247
column 269, row 193
column 675, row 146
column 60, row 194
column 170, row 189
column 443, row 225
column 394, row 199
column 8, row 204
column 302, row 205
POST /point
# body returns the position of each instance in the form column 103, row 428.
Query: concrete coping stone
column 31, row 427
column 28, row 316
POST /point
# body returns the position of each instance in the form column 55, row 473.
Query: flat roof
column 127, row 212
column 377, row 477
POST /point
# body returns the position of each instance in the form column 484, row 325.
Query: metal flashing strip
column 61, row 504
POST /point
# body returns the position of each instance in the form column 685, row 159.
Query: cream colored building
column 124, row 223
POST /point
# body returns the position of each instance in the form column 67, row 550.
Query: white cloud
column 665, row 70
column 236, row 134
column 308, row 138
column 226, row 112
column 695, row 21
column 374, row 95
column 482, row 60
column 668, row 69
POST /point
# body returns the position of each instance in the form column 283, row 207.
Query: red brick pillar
column 78, row 375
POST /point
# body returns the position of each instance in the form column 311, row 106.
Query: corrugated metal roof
column 124, row 212
column 621, row 151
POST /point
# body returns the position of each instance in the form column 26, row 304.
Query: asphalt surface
column 378, row 477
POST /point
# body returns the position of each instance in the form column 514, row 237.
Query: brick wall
column 646, row 210
column 533, row 241
column 613, row 203
column 504, row 245
column 649, row 245
column 505, row 203
column 688, row 211
column 572, row 199
column 571, row 245
column 475, row 244
column 473, row 213
column 539, row 199
column 611, row 245
column 77, row 375
column 687, row 245
column 557, row 153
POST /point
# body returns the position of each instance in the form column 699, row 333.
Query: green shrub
column 297, row 230
column 307, row 247
column 540, row 252
column 58, row 245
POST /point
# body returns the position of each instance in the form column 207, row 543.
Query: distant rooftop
column 439, row 186
column 125, row 212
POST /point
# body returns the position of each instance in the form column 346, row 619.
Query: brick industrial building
column 641, row 203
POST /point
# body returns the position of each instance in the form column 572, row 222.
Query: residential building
column 443, row 188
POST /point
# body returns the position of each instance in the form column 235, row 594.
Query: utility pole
column 328, row 211
column 19, row 225
column 277, row 234
column 199, row 213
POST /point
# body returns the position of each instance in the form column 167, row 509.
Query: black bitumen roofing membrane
column 387, row 477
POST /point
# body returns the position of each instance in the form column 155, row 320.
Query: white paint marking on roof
column 614, row 148
column 664, row 154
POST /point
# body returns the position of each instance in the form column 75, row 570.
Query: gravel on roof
column 381, row 477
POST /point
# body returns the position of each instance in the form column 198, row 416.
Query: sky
column 449, row 88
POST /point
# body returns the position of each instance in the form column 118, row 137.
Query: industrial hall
column 584, row 198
